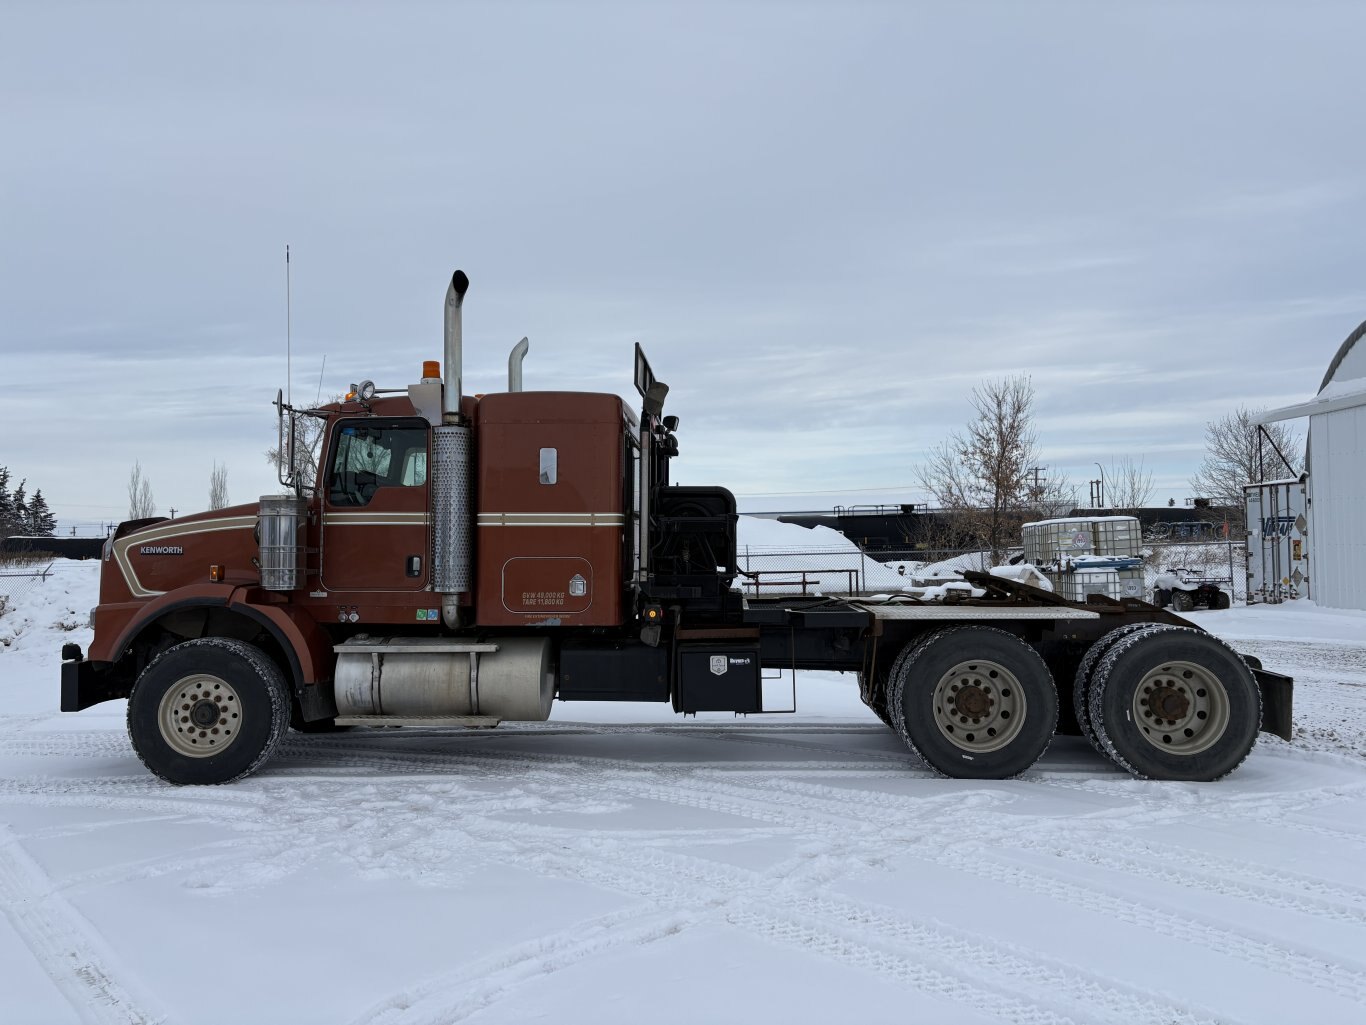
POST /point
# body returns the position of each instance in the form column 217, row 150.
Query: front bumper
column 86, row 683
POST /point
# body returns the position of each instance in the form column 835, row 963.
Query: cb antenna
column 321, row 371
column 289, row 347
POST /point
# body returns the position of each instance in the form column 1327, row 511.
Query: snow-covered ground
column 618, row 865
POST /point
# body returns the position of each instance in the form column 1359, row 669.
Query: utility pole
column 172, row 512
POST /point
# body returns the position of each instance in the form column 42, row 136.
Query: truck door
column 375, row 507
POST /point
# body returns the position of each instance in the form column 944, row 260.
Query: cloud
column 825, row 224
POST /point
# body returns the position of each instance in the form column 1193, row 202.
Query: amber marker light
column 215, row 574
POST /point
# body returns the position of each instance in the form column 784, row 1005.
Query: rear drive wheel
column 1081, row 684
column 876, row 690
column 1221, row 600
column 1182, row 601
column 1175, row 703
column 974, row 702
column 210, row 710
column 874, row 695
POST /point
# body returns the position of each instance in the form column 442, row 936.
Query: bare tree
column 218, row 487
column 1129, row 484
column 1233, row 457
column 988, row 477
column 140, row 504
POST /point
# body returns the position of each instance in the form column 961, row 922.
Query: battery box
column 718, row 678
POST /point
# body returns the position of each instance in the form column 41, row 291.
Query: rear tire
column 974, row 702
column 210, row 710
column 1221, row 600
column 873, row 693
column 1081, row 684
column 1174, row 703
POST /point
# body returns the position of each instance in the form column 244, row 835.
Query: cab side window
column 371, row 454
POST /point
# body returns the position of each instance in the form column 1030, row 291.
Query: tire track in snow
column 926, row 955
column 451, row 998
column 849, row 948
column 1155, row 801
column 67, row 947
column 834, row 819
column 1300, row 963
column 1171, row 864
column 906, row 967
column 666, row 782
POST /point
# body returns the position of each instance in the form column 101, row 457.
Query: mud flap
column 1277, row 702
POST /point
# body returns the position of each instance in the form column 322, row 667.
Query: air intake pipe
column 452, row 528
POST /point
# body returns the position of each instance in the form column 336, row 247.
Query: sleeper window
column 550, row 460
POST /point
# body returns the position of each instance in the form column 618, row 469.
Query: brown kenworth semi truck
column 462, row 561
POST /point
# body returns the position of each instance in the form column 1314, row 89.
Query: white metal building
column 1336, row 458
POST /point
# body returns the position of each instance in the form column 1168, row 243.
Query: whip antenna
column 289, row 348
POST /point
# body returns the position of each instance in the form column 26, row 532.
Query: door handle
column 414, row 566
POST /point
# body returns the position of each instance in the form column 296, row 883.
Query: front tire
column 974, row 702
column 210, row 710
column 1174, row 703
column 1182, row 601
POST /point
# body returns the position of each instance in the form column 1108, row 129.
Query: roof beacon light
column 431, row 370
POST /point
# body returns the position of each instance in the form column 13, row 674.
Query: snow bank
column 1300, row 620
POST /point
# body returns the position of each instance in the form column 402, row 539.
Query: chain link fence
column 19, row 575
column 1221, row 562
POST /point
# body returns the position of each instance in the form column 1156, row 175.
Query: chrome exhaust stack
column 515, row 358
column 455, row 300
column 452, row 462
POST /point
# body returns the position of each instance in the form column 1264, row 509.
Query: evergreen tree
column 41, row 522
column 7, row 523
column 19, row 512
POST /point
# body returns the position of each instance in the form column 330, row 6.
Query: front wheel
column 1182, row 601
column 1175, row 703
column 974, row 702
column 210, row 710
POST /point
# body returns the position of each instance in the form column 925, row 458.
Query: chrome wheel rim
column 1181, row 707
column 979, row 706
column 200, row 716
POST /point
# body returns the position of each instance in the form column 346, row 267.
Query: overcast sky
column 825, row 223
